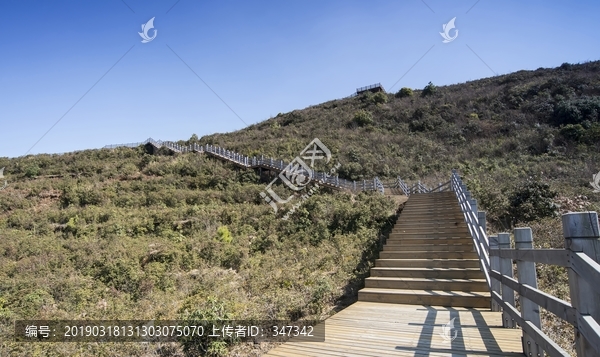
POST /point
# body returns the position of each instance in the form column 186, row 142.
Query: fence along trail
column 438, row 265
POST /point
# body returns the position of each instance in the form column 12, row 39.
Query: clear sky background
column 259, row 57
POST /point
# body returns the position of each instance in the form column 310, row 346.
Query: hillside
column 106, row 234
column 498, row 132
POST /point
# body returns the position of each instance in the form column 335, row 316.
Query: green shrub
column 198, row 311
column 577, row 111
column 531, row 201
column 363, row 117
column 380, row 98
column 572, row 132
column 404, row 92
column 430, row 89
column 224, row 235
column 32, row 170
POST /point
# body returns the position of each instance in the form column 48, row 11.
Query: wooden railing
column 475, row 222
column 254, row 162
column 581, row 257
column 418, row 187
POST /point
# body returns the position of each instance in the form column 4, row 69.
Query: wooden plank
column 494, row 266
column 558, row 307
column 558, row 257
column 530, row 310
column 586, row 268
column 535, row 333
column 506, row 268
column 580, row 230
column 379, row 329
column 590, row 329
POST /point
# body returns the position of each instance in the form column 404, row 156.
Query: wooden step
column 430, row 227
column 429, row 238
column 394, row 240
column 432, row 223
column 430, row 216
column 440, row 273
column 429, row 248
column 381, row 282
column 425, row 208
column 431, row 220
column 455, row 232
column 426, row 297
column 451, row 204
column 428, row 263
column 399, row 254
column 458, row 232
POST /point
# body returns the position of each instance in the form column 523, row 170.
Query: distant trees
column 430, row 89
column 404, row 92
column 577, row 111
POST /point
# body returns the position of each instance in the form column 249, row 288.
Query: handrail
column 254, row 162
column 580, row 257
column 365, row 88
column 479, row 236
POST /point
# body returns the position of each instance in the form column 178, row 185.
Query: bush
column 32, row 171
column 572, row 132
column 404, row 92
column 380, row 98
column 363, row 117
column 224, row 234
column 577, row 111
column 430, row 89
column 198, row 311
column 532, row 201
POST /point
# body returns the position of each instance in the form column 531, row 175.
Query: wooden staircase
column 428, row 258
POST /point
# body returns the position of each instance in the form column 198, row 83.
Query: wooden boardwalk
column 381, row 329
column 427, row 275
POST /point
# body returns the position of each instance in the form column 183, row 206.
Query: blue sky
column 86, row 59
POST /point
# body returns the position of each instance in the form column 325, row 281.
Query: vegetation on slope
column 122, row 233
column 135, row 236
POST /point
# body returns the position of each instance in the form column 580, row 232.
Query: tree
column 404, row 92
column 380, row 98
column 430, row 89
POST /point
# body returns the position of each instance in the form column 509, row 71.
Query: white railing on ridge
column 251, row 162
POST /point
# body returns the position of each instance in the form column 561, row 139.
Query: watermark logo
column 145, row 28
column 1, row 177
column 447, row 331
column 447, row 28
column 298, row 173
column 596, row 183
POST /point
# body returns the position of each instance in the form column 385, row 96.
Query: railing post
column 482, row 220
column 581, row 233
column 364, row 185
column 526, row 274
column 473, row 203
column 354, row 182
column 482, row 223
column 506, row 268
column 495, row 265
